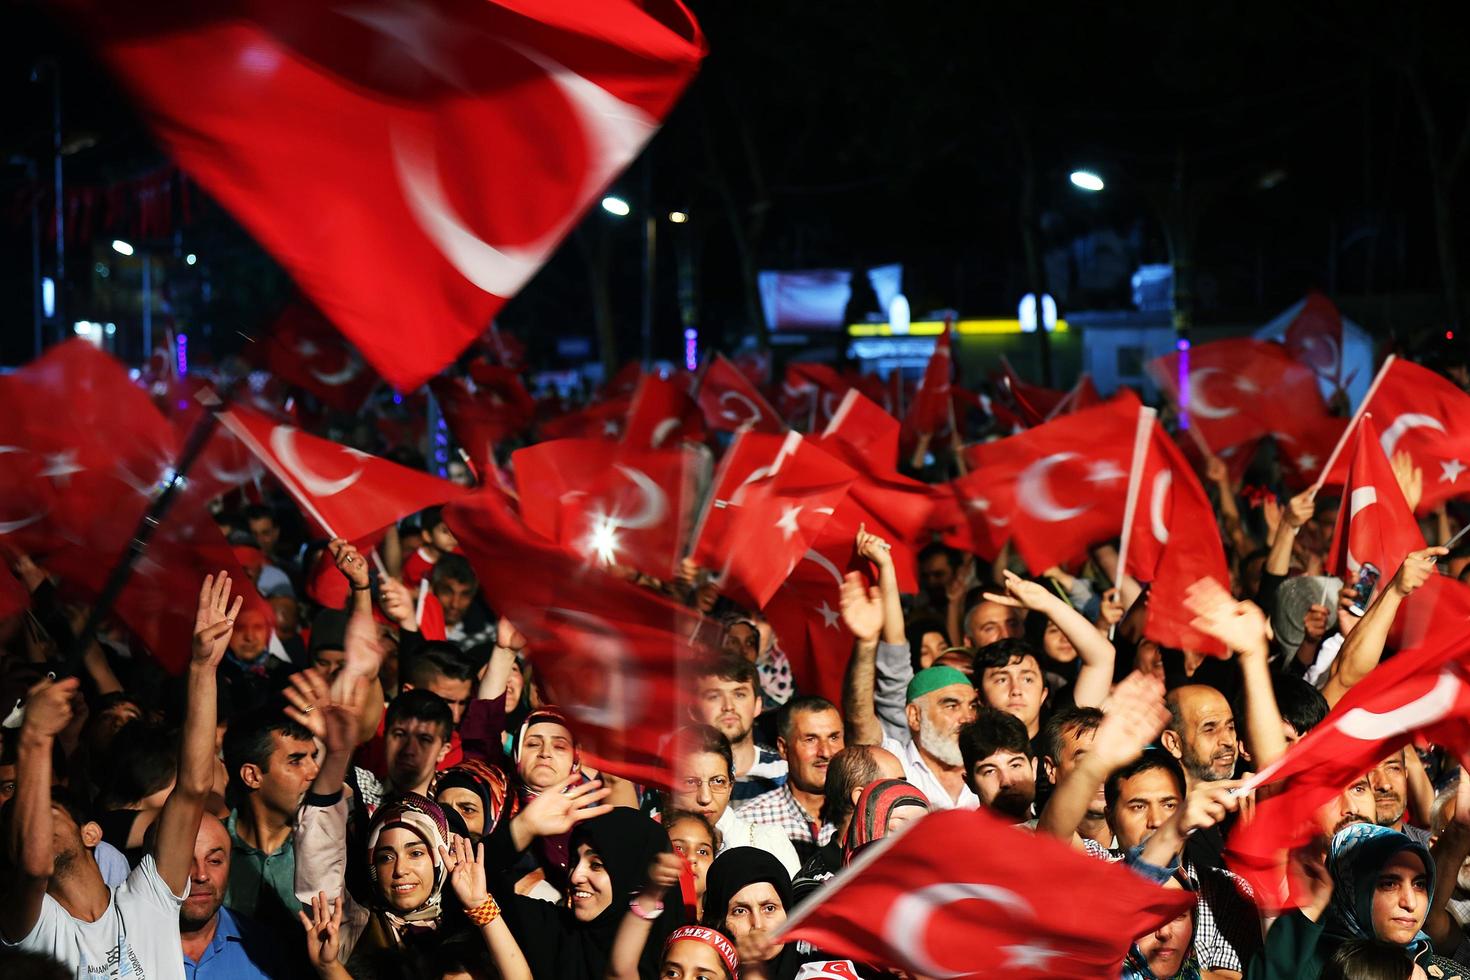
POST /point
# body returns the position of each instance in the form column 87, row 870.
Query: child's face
column 692, row 842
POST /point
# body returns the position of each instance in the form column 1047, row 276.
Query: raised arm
column 1132, row 718
column 1296, row 513
column 862, row 613
column 362, row 652
column 31, row 847
column 331, row 717
column 508, row 644
column 633, row 931
column 1363, row 647
column 877, row 551
column 1095, row 677
column 178, row 824
column 1241, row 626
column 465, row 864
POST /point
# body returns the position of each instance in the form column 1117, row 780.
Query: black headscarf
column 731, row 871
column 557, row 944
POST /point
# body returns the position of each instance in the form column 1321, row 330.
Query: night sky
column 862, row 133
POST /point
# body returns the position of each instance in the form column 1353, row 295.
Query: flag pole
column 714, row 487
column 1352, row 423
column 1146, row 417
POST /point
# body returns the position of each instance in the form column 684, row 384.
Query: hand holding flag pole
column 1146, row 417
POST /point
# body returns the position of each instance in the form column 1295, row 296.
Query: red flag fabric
column 609, row 503
column 1314, row 337
column 1058, row 488
column 892, row 506
column 1235, row 389
column 442, row 150
column 729, row 400
column 1175, row 542
column 599, row 420
column 662, row 414
column 811, row 393
column 805, row 612
column 771, row 499
column 1374, row 525
column 1421, row 693
column 608, row 653
column 916, row 902
column 1033, row 403
column 303, row 349
column 483, row 410
column 1304, row 441
column 1084, row 394
column 931, row 409
column 1427, row 416
column 345, row 492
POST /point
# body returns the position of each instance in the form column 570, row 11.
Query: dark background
column 1263, row 148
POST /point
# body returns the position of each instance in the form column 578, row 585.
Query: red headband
column 714, row 940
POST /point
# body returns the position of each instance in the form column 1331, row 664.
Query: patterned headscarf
column 1135, row 966
column 1355, row 860
column 423, row 817
column 486, row 781
column 874, row 806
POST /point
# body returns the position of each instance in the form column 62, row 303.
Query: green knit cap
column 932, row 679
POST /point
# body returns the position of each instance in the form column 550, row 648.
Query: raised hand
column 1241, row 626
column 1347, row 597
column 874, row 548
column 1022, row 593
column 507, row 637
column 1133, row 716
column 1207, row 804
column 350, row 563
column 329, row 713
column 1301, row 508
column 1306, row 869
column 862, row 608
column 323, row 930
column 1110, row 610
column 397, row 603
column 558, row 809
column 214, row 620
column 1315, row 621
column 465, row 864
column 1416, row 570
column 49, row 706
column 1271, row 511
column 1216, row 471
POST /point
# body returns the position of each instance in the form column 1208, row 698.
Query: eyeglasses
column 717, row 784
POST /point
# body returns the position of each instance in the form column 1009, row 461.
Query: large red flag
column 599, row 420
column 609, row 653
column 662, row 414
column 729, row 400
column 811, row 393
column 411, row 165
column 1058, row 488
column 1314, row 337
column 1236, row 388
column 1374, row 525
column 1420, row 693
column 924, row 902
column 771, row 499
column 1175, row 541
column 609, row 503
column 806, row 614
column 302, row 348
column 1427, row 416
column 345, row 492
column 931, row 410
column 484, row 409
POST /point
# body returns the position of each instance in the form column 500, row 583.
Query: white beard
column 944, row 748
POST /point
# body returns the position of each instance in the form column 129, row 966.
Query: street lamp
column 121, row 247
column 678, row 217
column 1086, row 180
column 616, row 205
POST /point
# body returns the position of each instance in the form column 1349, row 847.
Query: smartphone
column 1363, row 588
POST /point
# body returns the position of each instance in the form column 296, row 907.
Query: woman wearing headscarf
column 1377, row 885
column 747, row 893
column 573, row 940
column 480, row 793
column 411, row 857
column 883, row 807
column 1165, row 953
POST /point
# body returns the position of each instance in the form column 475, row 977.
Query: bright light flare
column 121, row 247
column 616, row 205
column 602, row 542
column 678, row 217
column 1087, row 180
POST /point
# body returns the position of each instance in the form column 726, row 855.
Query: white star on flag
column 1450, row 471
column 1306, row 461
column 980, row 504
column 1104, row 471
column 62, row 465
column 829, row 615
column 787, row 523
column 1246, row 385
column 1028, row 955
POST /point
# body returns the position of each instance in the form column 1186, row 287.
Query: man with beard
column 727, row 697
column 1201, row 733
column 216, row 943
column 1390, row 782
column 810, row 734
column 938, row 702
column 999, row 766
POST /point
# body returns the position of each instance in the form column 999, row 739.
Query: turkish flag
column 806, row 615
column 483, row 410
column 609, row 503
column 729, row 400
column 1304, row 441
column 224, row 464
column 411, row 165
column 1236, row 388
column 1033, row 403
column 1420, row 694
column 922, row 902
column 662, row 414
column 971, row 516
column 1427, row 416
column 345, row 492
column 1375, row 525
column 303, row 349
column 610, row 654
column 600, row 420
column 811, row 393
column 1175, row 542
column 1314, row 337
column 772, row 498
column 1058, row 488
column 931, row 409
column 893, row 506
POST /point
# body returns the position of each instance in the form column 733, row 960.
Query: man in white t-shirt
column 58, row 903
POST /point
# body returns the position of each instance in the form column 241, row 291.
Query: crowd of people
column 326, row 792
